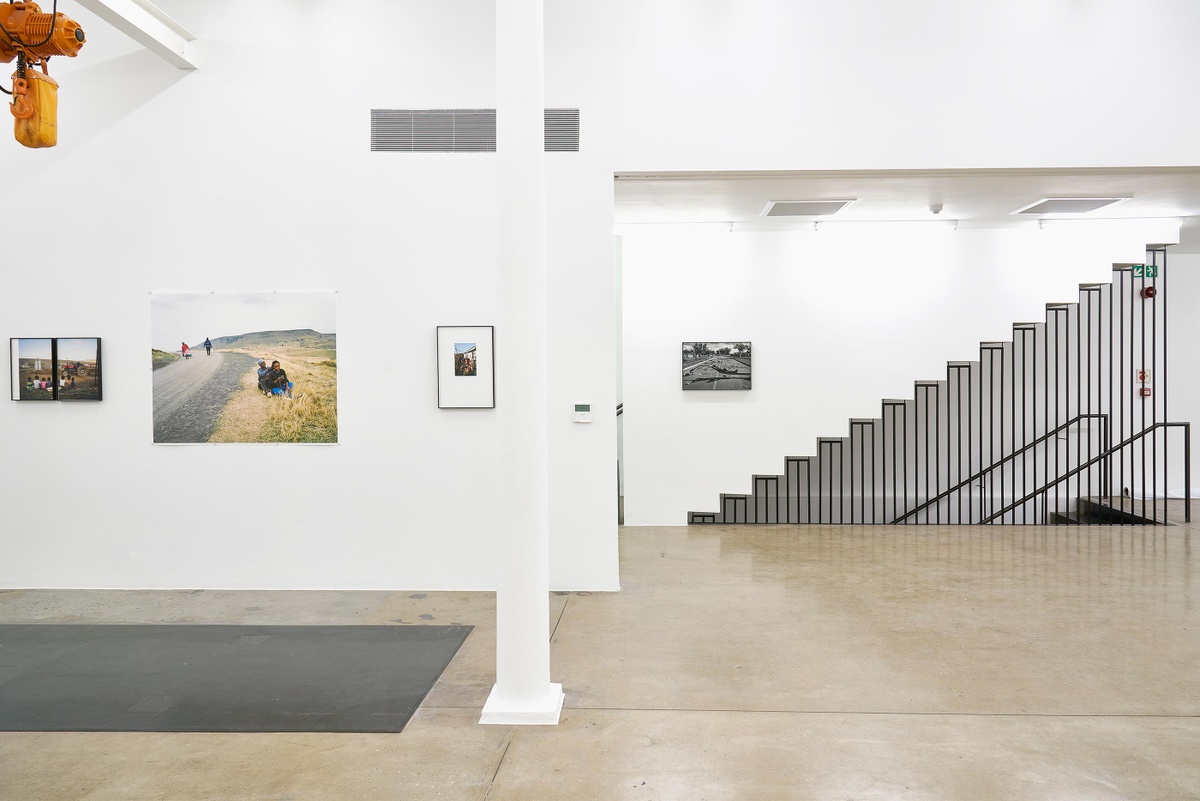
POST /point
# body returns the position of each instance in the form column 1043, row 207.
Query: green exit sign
column 1145, row 271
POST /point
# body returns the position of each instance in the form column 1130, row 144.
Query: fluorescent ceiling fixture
column 913, row 225
column 804, row 208
column 821, row 225
column 1068, row 205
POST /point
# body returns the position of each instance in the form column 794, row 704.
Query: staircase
column 1065, row 423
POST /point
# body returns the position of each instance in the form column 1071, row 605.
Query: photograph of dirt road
column 716, row 365
column 244, row 367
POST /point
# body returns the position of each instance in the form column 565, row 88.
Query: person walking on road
column 207, row 347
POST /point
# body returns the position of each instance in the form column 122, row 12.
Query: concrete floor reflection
column 784, row 662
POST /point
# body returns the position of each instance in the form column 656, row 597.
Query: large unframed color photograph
column 716, row 365
column 244, row 367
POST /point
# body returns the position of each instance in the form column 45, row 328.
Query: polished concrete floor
column 779, row 662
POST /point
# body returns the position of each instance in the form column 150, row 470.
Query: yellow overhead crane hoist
column 31, row 37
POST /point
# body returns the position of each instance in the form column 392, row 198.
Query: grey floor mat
column 219, row 678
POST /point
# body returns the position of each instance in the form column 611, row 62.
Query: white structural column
column 523, row 693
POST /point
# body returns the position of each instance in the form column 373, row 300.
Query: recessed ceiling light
column 1068, row 205
column 804, row 208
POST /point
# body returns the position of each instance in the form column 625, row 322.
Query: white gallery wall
column 253, row 173
column 861, row 85
column 839, row 319
column 865, row 84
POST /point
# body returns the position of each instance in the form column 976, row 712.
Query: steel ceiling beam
column 147, row 25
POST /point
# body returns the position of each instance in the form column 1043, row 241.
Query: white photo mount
column 466, row 366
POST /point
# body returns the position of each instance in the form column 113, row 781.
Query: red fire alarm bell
column 1149, row 292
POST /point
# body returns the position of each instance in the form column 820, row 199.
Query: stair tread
column 1071, row 518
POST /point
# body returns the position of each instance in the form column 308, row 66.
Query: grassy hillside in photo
column 300, row 339
column 160, row 358
column 310, row 416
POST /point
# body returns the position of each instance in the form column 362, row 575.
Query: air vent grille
column 562, row 130
column 455, row 130
column 460, row 130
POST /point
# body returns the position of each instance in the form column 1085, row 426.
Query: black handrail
column 995, row 465
column 1187, row 470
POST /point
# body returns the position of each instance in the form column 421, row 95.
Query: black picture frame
column 466, row 366
column 717, row 365
column 55, row 369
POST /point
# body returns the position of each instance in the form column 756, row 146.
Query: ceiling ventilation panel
column 1067, row 205
column 804, row 208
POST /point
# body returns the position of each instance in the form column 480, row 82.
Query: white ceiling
column 975, row 197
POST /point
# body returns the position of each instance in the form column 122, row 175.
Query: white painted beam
column 147, row 25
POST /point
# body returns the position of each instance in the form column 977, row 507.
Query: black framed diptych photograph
column 716, row 365
column 466, row 367
column 55, row 369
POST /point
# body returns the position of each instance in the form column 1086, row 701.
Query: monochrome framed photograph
column 466, row 367
column 716, row 365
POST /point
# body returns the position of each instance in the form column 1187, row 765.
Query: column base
column 543, row 711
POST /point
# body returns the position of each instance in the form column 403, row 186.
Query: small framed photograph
column 32, row 363
column 466, row 367
column 61, row 368
column 78, row 369
column 716, row 365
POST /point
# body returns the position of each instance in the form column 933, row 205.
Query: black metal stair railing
column 1005, row 438
column 1108, row 453
column 1023, row 452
